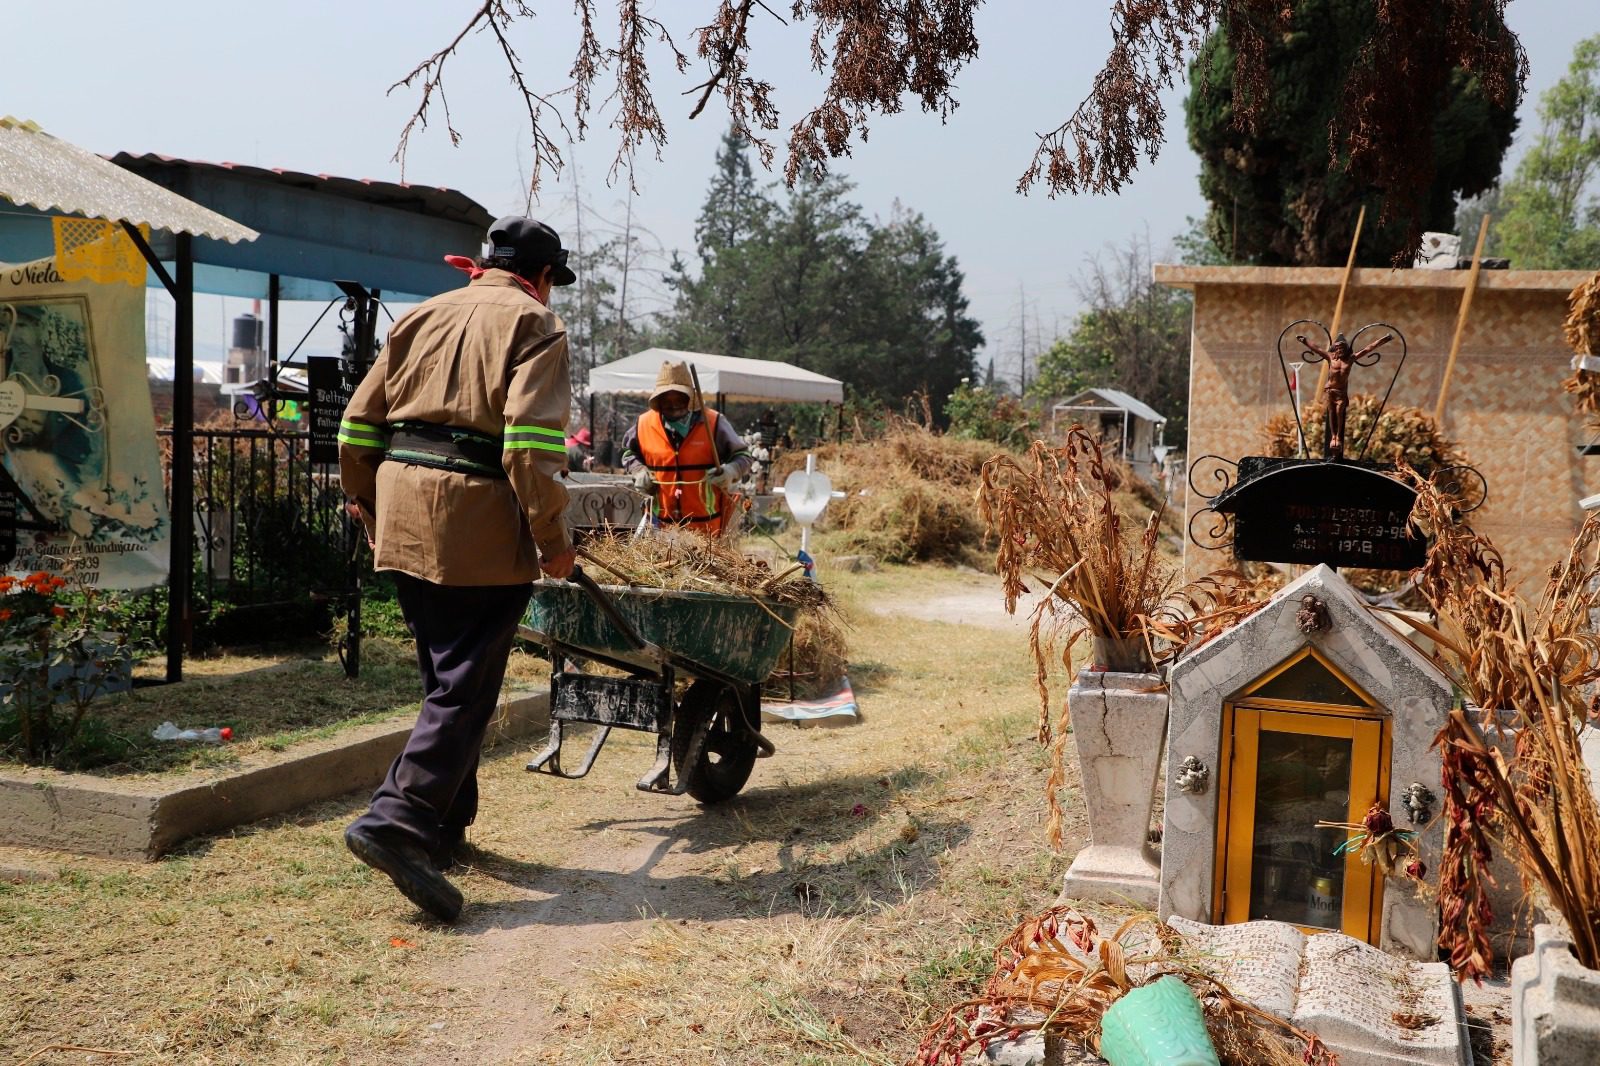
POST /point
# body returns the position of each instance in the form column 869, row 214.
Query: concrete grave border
column 143, row 818
column 1405, row 685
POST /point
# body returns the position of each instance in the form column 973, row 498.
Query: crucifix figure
column 1336, row 393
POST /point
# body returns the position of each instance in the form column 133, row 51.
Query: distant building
column 1130, row 427
column 208, row 397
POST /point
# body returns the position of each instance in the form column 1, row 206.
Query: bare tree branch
column 725, row 43
column 638, row 119
column 431, row 71
column 877, row 53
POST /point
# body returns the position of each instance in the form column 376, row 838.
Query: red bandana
column 473, row 272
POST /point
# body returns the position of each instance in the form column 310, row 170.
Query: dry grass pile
column 1514, row 775
column 820, row 660
column 1061, row 528
column 909, row 494
column 1404, row 435
column 689, row 562
column 1056, row 974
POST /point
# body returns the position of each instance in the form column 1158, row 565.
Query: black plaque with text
column 331, row 388
column 1312, row 511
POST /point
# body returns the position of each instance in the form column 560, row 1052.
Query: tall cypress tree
column 1280, row 195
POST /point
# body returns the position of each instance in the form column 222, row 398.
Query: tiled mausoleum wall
column 1505, row 407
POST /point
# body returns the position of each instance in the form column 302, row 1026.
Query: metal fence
column 275, row 557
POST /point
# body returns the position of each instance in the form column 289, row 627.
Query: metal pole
column 274, row 291
column 180, row 626
column 365, row 354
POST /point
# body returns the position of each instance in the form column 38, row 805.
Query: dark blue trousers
column 464, row 637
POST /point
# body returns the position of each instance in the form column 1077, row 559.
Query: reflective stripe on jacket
column 683, row 495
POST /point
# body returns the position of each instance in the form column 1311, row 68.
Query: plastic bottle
column 213, row 735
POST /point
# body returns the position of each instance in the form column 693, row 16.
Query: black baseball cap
column 528, row 241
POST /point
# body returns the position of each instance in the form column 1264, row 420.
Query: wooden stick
column 1461, row 319
column 1344, row 284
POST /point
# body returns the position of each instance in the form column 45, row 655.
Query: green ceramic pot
column 1159, row 1024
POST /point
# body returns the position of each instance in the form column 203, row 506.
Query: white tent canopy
column 740, row 380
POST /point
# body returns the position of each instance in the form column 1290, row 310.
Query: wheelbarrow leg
column 551, row 754
column 548, row 761
column 656, row 779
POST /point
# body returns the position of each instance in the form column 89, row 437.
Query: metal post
column 274, row 291
column 180, row 626
column 365, row 354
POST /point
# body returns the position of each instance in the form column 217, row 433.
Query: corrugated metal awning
column 1111, row 399
column 45, row 172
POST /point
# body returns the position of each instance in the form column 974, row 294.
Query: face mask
column 680, row 426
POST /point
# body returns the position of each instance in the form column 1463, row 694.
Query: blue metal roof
column 314, row 230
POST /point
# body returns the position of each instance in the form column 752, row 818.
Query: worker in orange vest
column 686, row 457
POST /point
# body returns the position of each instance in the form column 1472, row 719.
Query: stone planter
column 1119, row 722
column 1120, row 655
column 1555, row 1005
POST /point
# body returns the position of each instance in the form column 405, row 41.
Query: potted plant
column 1062, row 531
column 54, row 661
column 1513, row 770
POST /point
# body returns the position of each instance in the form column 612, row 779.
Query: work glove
column 723, row 477
column 643, row 481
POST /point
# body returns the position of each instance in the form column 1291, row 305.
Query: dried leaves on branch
column 1514, row 775
column 877, row 55
column 1061, row 532
column 1583, row 334
column 1057, row 975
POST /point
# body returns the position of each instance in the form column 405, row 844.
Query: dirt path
column 610, row 865
column 967, row 597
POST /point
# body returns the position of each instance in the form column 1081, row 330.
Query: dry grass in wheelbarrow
column 692, row 563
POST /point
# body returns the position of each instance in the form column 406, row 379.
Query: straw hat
column 674, row 377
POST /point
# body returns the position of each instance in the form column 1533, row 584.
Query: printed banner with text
column 77, row 433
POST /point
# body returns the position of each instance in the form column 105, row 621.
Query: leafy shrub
column 977, row 413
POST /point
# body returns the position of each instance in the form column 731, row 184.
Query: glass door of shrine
column 1303, row 745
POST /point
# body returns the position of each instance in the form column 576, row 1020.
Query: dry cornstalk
column 1512, row 768
column 1053, row 512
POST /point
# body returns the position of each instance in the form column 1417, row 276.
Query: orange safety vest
column 683, row 496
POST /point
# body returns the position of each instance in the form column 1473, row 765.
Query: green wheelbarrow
column 725, row 646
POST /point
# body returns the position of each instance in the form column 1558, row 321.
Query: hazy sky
column 301, row 85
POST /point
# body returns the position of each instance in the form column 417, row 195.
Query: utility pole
column 1022, row 327
column 627, row 261
column 586, row 360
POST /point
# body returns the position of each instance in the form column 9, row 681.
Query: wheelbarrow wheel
column 729, row 753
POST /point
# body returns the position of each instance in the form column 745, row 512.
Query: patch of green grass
column 953, row 974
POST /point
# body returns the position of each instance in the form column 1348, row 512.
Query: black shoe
column 451, row 851
column 409, row 868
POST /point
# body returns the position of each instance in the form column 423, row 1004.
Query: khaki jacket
column 486, row 357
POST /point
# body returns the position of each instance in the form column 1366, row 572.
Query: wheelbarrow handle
column 614, row 616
